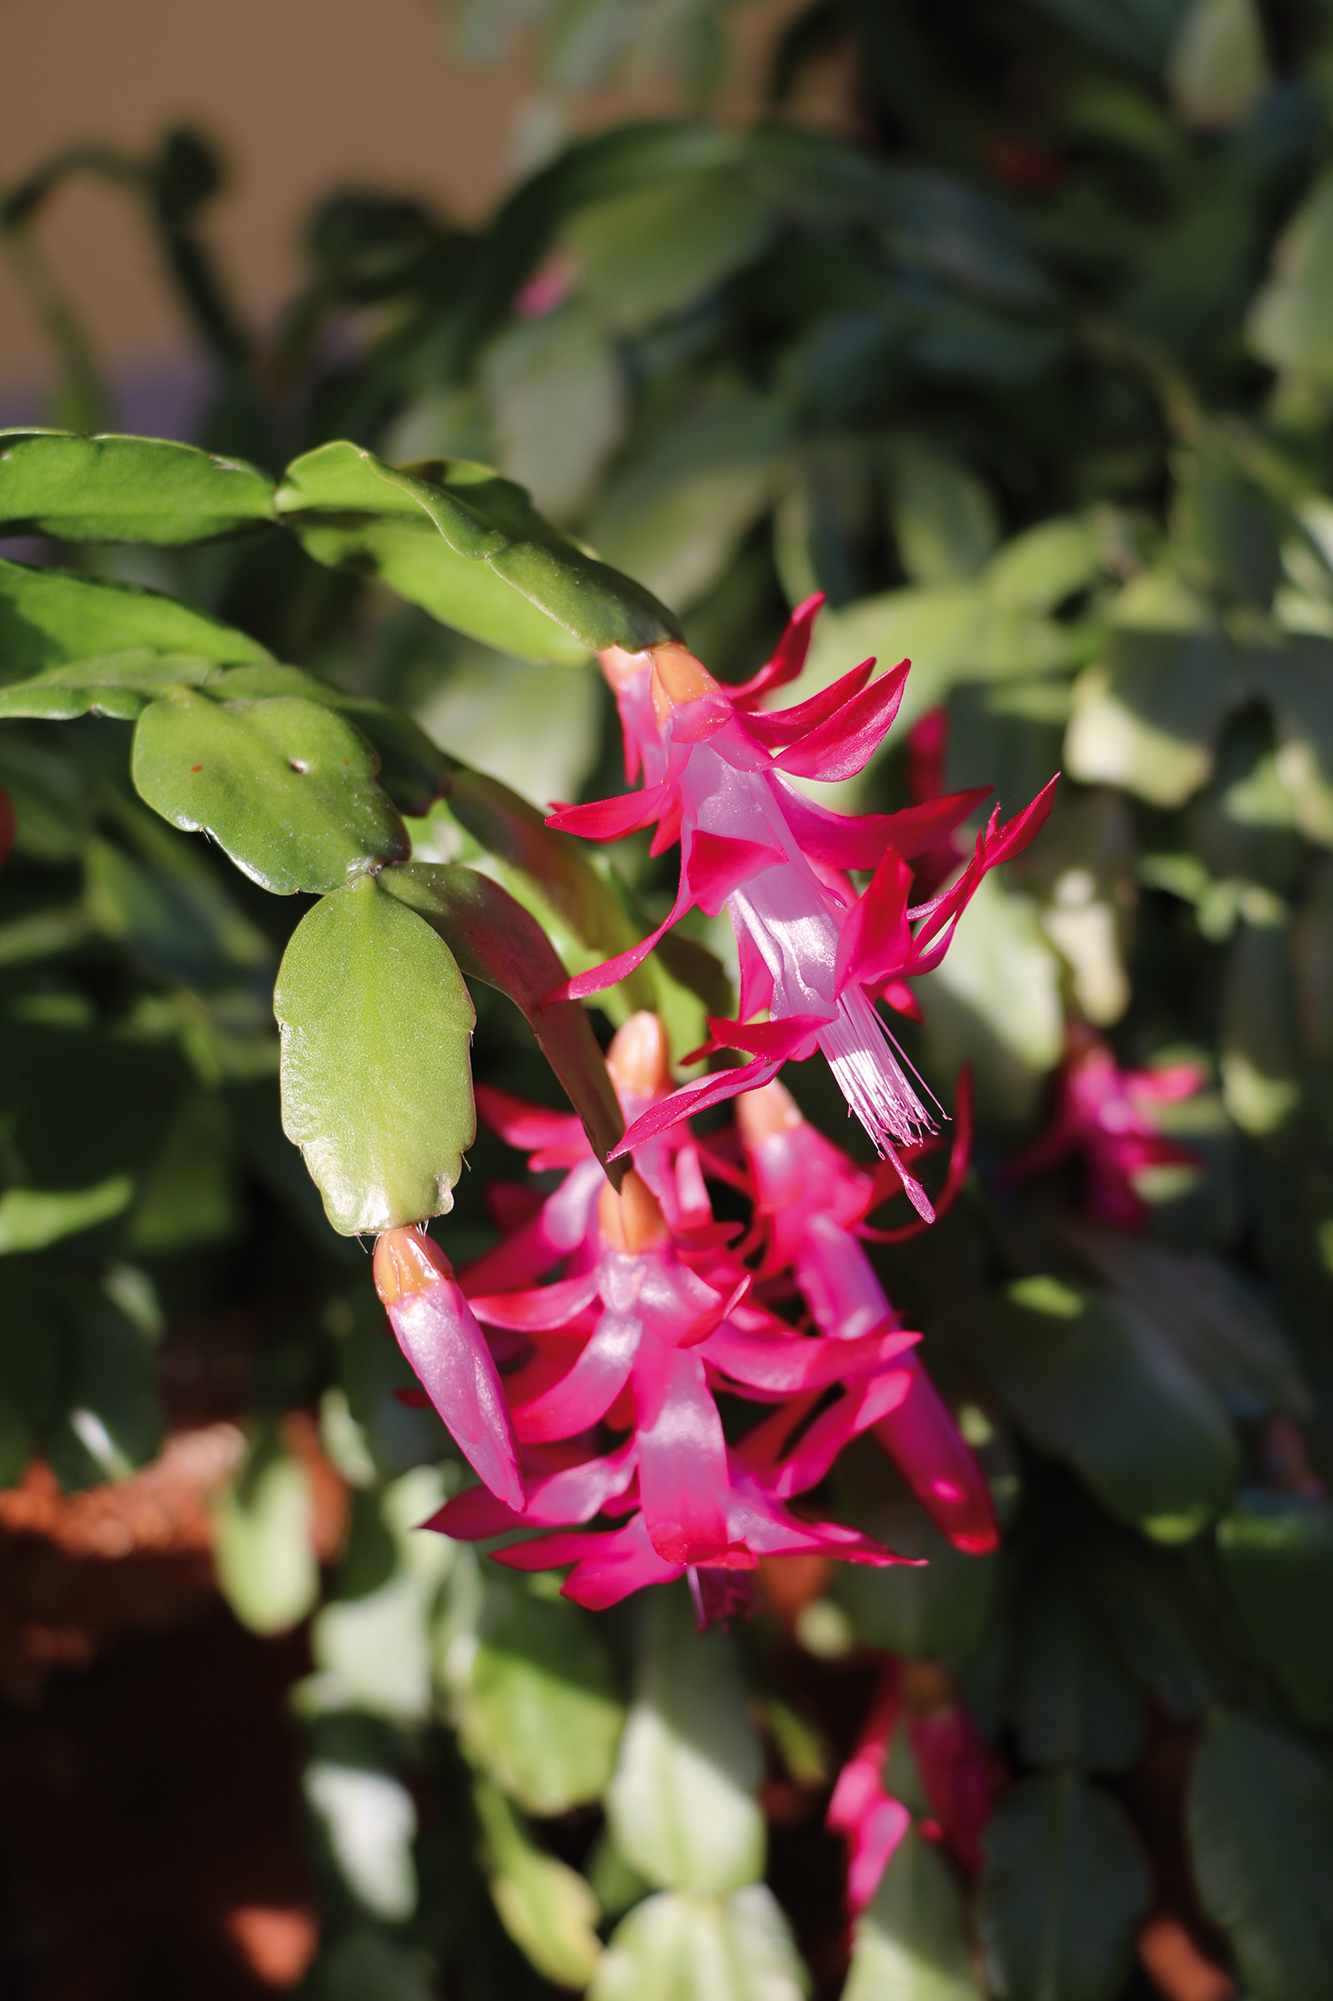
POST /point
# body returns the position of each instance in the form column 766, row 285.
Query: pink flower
column 642, row 1337
column 956, row 1767
column 1104, row 1114
column 719, row 774
column 813, row 1200
column 441, row 1339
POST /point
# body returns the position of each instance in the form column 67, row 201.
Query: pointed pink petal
column 873, row 1846
column 692, row 1098
column 845, row 744
column 622, row 1563
column 560, row 1226
column 609, row 819
column 923, row 1439
column 446, row 1348
column 529, row 1128
column 545, row 1306
column 790, row 1038
column 860, row 1406
column 588, row 1390
column 788, row 655
column 682, row 1455
column 917, row 829
column 875, row 941
column 778, row 727
column 783, row 1367
column 598, row 978
column 716, row 864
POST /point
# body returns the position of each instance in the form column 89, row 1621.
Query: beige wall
column 303, row 95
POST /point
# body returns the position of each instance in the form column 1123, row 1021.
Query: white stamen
column 870, row 1076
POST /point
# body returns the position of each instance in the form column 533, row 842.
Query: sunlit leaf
column 119, row 489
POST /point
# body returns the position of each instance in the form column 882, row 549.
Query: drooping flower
column 437, row 1332
column 954, row 1763
column 1104, row 1116
column 719, row 777
column 813, row 1201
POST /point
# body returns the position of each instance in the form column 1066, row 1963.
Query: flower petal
column 587, row 1391
column 682, row 1455
column 845, row 744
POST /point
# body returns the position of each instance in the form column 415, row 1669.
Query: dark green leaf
column 940, row 1608
column 545, row 1906
column 1160, row 1622
column 29, row 1366
column 119, row 684
column 1277, row 1557
column 285, row 785
column 376, row 1080
column 47, row 616
column 1092, row 1385
column 470, row 547
column 1074, row 1705
column 112, row 1420
column 116, row 489
column 1261, row 1838
column 495, row 940
column 1064, row 1888
column 412, row 770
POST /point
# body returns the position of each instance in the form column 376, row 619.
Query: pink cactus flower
column 719, row 774
column 1104, row 1115
column 813, row 1200
column 957, row 1768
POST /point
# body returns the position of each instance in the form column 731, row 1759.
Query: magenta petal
column 873, row 1845
column 790, row 1038
column 446, row 1348
column 609, row 819
column 590, row 1388
column 692, row 1098
column 571, row 1494
column 547, row 1552
column 544, row 1307
column 716, row 864
column 528, row 1128
column 559, row 1227
column 788, row 655
column 779, row 727
column 841, row 840
column 787, row 1366
column 621, row 1562
column 861, row 1405
column 922, row 1437
column 682, row 1455
column 845, row 744
column 916, row 829
column 473, row 1516
column 598, row 978
column 876, row 941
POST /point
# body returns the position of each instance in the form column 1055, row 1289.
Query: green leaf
column 546, row 1907
column 188, row 1195
column 681, row 1806
column 1093, row 1385
column 1223, row 1328
column 31, row 1219
column 119, row 684
column 693, row 1947
column 117, row 489
column 1064, row 1888
column 1163, row 1626
column 1277, row 1558
column 112, row 1421
column 1260, row 1817
column 495, row 940
column 470, row 547
column 557, row 391
column 376, row 1079
column 1073, row 1703
column 653, row 251
column 285, row 785
column 47, row 616
column 911, row 1944
column 1288, row 322
column 262, row 1540
column 1148, row 717
column 371, row 1640
column 943, row 519
column 412, row 769
column 537, row 1703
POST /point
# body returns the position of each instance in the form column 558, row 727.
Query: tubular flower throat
column 719, row 777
